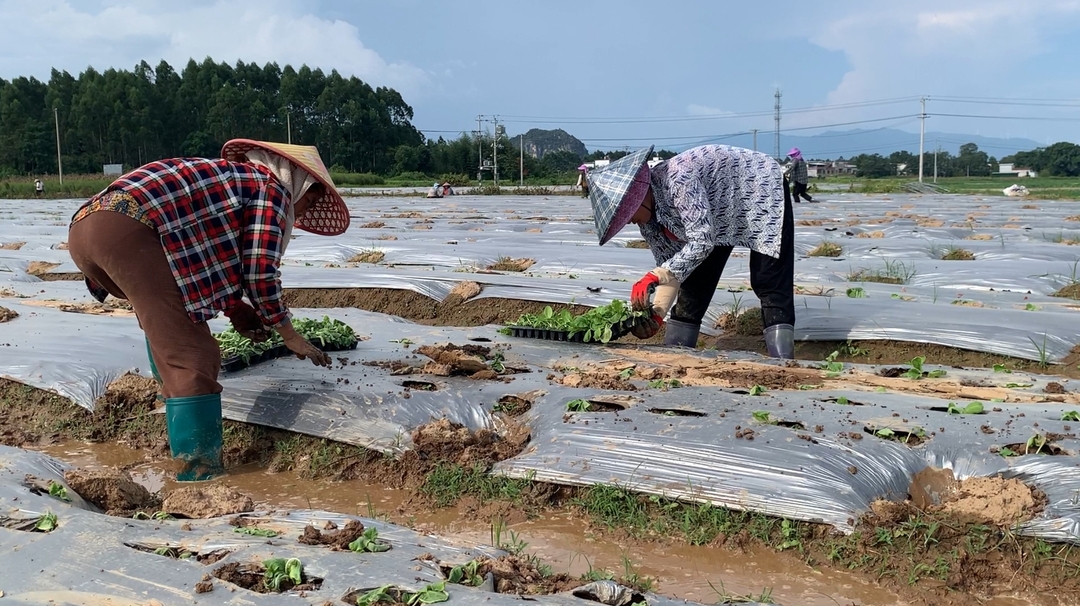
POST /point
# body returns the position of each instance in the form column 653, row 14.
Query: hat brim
column 327, row 216
column 630, row 203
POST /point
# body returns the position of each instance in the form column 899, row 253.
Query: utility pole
column 59, row 162
column 495, row 150
column 480, row 148
column 521, row 159
column 755, row 139
column 776, row 142
column 288, row 126
column 922, row 136
column 936, row 152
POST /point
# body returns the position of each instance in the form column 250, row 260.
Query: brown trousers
column 125, row 257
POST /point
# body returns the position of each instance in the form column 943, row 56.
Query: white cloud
column 57, row 33
column 704, row 110
column 932, row 47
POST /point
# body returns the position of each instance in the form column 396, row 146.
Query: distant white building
column 1008, row 169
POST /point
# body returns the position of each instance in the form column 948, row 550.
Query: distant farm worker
column 184, row 239
column 447, row 190
column 435, row 191
column 583, row 180
column 692, row 210
column 39, row 188
column 799, row 179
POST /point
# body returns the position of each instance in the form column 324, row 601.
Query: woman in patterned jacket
column 692, row 210
column 186, row 238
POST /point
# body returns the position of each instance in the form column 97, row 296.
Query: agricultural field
column 489, row 420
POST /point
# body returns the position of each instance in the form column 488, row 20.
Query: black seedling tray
column 524, row 332
column 236, row 363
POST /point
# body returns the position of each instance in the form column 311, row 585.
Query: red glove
column 643, row 291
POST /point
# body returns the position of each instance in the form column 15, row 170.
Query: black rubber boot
column 780, row 341
column 682, row 334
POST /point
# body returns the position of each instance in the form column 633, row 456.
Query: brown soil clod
column 12, row 245
column 37, row 268
column 827, row 249
column 109, row 490
column 373, row 225
column 517, row 575
column 1071, row 291
column 1054, row 387
column 252, row 577
column 209, row 501
column 876, row 234
column 337, row 540
column 511, row 264
column 463, row 291
column 514, row 404
column 7, row 315
column 637, row 244
column 443, row 440
column 448, row 360
column 368, row 256
column 958, row 254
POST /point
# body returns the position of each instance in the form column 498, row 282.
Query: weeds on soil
column 827, row 249
column 895, row 272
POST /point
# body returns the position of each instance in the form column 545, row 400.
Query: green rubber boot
column 154, row 370
column 194, row 426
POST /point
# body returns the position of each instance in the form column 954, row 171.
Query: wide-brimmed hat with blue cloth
column 616, row 192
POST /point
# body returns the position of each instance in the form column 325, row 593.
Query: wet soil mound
column 994, row 500
column 1070, row 292
column 111, row 491
column 337, row 539
column 210, row 501
column 449, row 442
column 253, row 577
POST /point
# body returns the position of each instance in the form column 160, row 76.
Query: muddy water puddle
column 561, row 540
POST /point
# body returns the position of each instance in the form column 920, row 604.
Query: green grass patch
column 447, row 484
column 894, row 272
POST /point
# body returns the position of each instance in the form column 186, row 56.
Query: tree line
column 1057, row 160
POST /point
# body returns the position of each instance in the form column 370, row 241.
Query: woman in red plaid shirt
column 186, row 238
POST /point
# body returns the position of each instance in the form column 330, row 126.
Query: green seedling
column 974, row 408
column 1002, row 369
column 626, row 373
column 757, row 390
column 665, row 384
column 885, row 432
column 1031, row 307
column 57, row 490
column 1018, row 385
column 790, row 534
column 498, row 362
column 256, row 532
column 279, row 570
column 1071, row 415
column 831, row 366
column 369, row 542
column 842, row 401
column 597, row 324
column 881, row 390
column 916, row 371
column 162, row 515
column 404, row 342
column 322, row 332
column 856, row 292
column 1007, row 452
column 466, row 574
column 46, row 523
column 1037, row 441
column 810, row 387
column 577, row 405
column 762, row 416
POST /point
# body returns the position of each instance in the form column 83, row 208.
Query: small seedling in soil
column 404, row 342
column 790, row 535
column 1044, row 356
column 974, row 408
column 827, row 249
column 432, row 594
column 626, row 373
column 1018, row 385
column 841, row 400
column 497, row 362
column 577, row 405
column 173, row 552
column 466, row 574
column 1007, row 452
column 369, row 542
column 856, row 292
column 256, row 532
column 1001, row 368
column 279, row 571
column 57, row 491
column 762, row 416
column 757, row 390
column 831, row 366
column 1071, row 415
column 665, row 384
column 916, row 371
column 1037, row 442
column 46, row 523
column 905, row 437
column 1031, row 307
column 159, row 516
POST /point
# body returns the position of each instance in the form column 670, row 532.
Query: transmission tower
column 776, row 134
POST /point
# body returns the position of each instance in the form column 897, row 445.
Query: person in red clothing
column 185, row 238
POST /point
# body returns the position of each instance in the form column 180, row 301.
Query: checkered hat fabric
column 328, row 216
column 617, row 190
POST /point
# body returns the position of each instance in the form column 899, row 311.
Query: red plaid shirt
column 222, row 226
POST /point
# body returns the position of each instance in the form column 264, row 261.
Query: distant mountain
column 835, row 144
column 538, row 142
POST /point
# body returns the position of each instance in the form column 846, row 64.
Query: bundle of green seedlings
column 597, row 324
column 323, row 332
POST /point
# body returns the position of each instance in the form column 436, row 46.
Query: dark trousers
column 799, row 189
column 773, row 280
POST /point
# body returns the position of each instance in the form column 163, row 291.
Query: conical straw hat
column 328, row 216
column 617, row 190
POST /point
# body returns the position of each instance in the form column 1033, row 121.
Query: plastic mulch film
column 92, row 558
column 821, row 455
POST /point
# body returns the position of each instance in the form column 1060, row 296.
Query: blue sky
column 614, row 74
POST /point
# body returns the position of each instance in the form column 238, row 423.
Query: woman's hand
column 647, row 327
column 247, row 322
column 301, row 347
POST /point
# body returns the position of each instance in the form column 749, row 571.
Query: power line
column 1036, row 118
